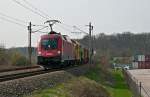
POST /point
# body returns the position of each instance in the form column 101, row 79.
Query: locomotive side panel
column 68, row 49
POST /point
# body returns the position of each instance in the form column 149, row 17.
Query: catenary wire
column 80, row 30
column 39, row 29
column 2, row 18
column 35, row 12
column 75, row 27
column 65, row 28
column 46, row 16
column 31, row 5
column 2, row 14
column 18, row 20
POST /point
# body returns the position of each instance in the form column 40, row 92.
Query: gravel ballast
column 25, row 86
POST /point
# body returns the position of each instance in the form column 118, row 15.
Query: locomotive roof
column 50, row 35
column 75, row 42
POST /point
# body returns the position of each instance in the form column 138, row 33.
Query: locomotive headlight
column 39, row 53
column 58, row 52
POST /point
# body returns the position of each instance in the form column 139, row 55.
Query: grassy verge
column 58, row 91
column 120, row 89
column 78, row 87
column 95, row 83
column 112, row 80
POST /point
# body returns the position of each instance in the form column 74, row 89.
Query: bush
column 84, row 87
column 19, row 60
column 3, row 57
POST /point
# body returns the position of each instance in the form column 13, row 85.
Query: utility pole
column 90, row 42
column 29, row 41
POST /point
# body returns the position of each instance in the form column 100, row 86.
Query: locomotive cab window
column 48, row 44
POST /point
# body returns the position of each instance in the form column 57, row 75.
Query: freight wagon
column 141, row 62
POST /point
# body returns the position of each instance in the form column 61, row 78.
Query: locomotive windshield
column 48, row 44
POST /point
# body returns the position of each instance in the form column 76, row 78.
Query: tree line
column 119, row 45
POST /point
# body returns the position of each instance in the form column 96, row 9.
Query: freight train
column 56, row 50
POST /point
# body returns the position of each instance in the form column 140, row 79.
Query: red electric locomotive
column 55, row 49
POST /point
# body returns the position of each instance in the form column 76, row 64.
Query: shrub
column 19, row 60
column 3, row 56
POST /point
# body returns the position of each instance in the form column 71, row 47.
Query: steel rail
column 31, row 73
column 18, row 69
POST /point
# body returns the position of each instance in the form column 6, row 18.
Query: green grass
column 58, row 91
column 120, row 89
column 112, row 80
column 78, row 87
column 94, row 74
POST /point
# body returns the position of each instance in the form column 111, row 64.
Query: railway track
column 23, row 75
column 10, row 74
column 28, row 74
column 20, row 75
column 18, row 69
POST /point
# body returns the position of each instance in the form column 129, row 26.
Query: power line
column 65, row 28
column 18, row 20
column 29, row 9
column 40, row 29
column 46, row 16
column 67, row 25
column 31, row 5
column 38, row 25
column 2, row 18
column 2, row 14
column 15, row 19
column 42, row 32
column 80, row 30
column 75, row 27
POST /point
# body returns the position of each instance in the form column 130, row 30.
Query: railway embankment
column 27, row 85
column 87, row 84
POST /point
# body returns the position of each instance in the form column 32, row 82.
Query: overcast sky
column 107, row 16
